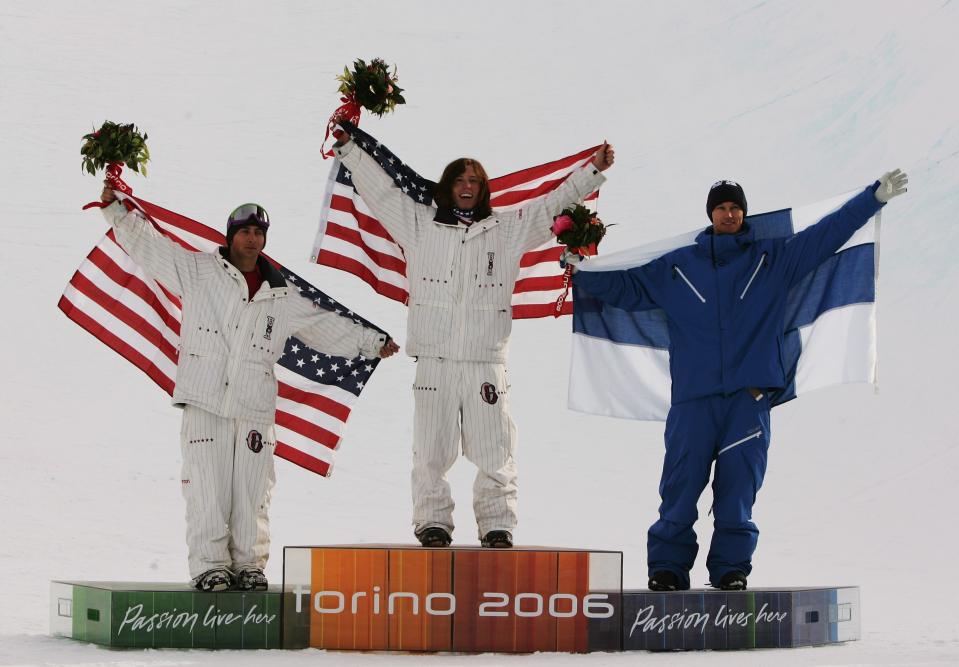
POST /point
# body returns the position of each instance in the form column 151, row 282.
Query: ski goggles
column 248, row 214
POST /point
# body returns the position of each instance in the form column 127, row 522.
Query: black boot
column 664, row 580
column 734, row 580
column 251, row 579
column 497, row 539
column 434, row 536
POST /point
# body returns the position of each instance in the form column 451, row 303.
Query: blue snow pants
column 732, row 430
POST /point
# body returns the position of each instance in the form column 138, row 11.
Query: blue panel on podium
column 761, row 618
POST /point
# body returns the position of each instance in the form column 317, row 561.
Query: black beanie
column 723, row 191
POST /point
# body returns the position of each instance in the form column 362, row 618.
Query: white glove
column 891, row 184
column 570, row 259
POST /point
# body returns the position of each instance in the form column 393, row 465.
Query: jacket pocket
column 199, row 374
column 489, row 328
column 256, row 387
column 430, row 323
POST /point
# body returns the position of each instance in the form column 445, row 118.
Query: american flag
column 113, row 299
column 352, row 239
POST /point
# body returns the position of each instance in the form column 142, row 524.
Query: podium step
column 760, row 618
column 163, row 615
column 460, row 599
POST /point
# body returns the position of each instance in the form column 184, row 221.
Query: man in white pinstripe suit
column 237, row 313
column 462, row 260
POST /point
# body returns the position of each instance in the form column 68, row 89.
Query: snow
column 796, row 100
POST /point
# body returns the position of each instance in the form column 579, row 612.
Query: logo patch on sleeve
column 488, row 393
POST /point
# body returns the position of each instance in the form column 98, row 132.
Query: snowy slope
column 797, row 101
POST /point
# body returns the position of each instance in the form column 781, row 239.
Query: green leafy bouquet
column 115, row 144
column 371, row 86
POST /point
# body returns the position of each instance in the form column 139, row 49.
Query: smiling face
column 464, row 185
column 466, row 189
column 727, row 218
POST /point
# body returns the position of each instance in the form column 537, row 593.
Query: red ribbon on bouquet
column 349, row 110
column 588, row 251
column 112, row 177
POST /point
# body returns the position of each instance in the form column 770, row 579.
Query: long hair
column 444, row 189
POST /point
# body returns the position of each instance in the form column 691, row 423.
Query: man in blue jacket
column 725, row 300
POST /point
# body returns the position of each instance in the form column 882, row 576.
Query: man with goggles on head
column 237, row 313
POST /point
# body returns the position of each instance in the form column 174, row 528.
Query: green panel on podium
column 163, row 615
column 460, row 599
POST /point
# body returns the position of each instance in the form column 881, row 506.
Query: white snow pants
column 227, row 479
column 468, row 402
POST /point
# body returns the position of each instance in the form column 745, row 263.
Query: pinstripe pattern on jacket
column 229, row 343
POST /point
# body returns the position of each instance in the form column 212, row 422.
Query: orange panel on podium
column 405, row 598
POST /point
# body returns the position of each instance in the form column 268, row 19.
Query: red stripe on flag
column 302, row 459
column 135, row 286
column 306, row 429
column 367, row 223
column 116, row 344
column 123, row 313
column 350, row 265
column 317, row 401
column 544, row 256
column 352, row 236
column 539, row 284
column 182, row 222
column 541, row 171
column 521, row 196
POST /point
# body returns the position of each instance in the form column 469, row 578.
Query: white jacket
column 228, row 343
column 461, row 278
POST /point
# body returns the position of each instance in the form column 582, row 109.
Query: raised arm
column 812, row 246
column 530, row 226
column 395, row 210
column 161, row 258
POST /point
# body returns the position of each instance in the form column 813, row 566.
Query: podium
column 454, row 599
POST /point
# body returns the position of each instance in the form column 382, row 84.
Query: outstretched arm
column 161, row 258
column 334, row 333
column 812, row 246
column 395, row 210
column 531, row 225
column 629, row 289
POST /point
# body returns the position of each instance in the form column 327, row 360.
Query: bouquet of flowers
column 371, row 86
column 115, row 144
column 579, row 229
column 367, row 86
